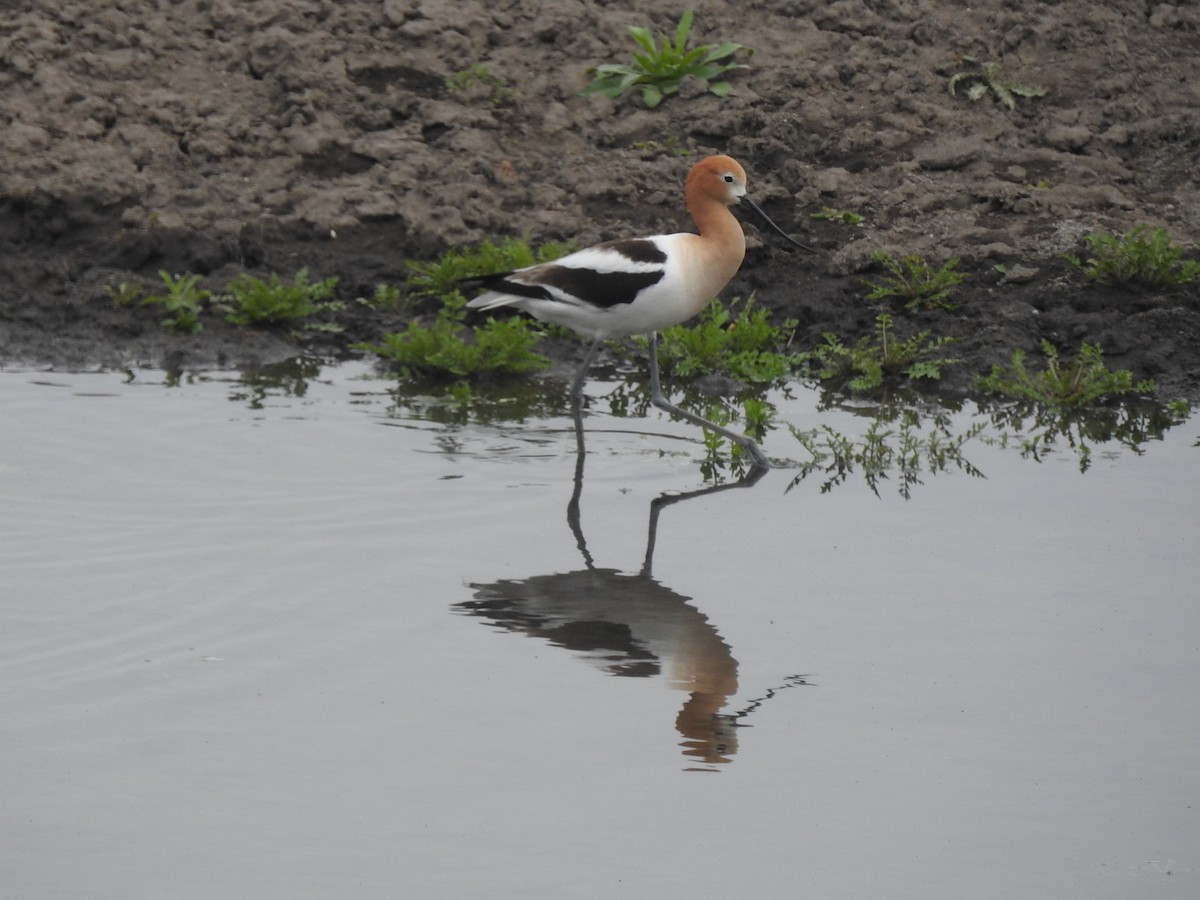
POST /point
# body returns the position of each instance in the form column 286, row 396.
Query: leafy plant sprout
column 740, row 342
column 479, row 80
column 1085, row 382
column 448, row 348
column 182, row 300
column 659, row 70
column 865, row 366
column 124, row 294
column 1142, row 256
column 985, row 78
column 916, row 282
column 258, row 302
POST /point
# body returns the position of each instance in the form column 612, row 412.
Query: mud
column 216, row 137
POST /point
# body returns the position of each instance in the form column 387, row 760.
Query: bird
column 642, row 285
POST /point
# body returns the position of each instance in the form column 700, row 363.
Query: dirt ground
column 216, row 137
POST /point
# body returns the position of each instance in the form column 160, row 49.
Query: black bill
column 787, row 237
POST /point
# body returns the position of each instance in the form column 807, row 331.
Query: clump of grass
column 839, row 216
column 916, row 282
column 864, row 366
column 659, row 70
column 479, row 81
column 441, row 276
column 1059, row 385
column 1142, row 256
column 448, row 347
column 738, row 342
column 182, row 300
column 985, row 78
column 272, row 302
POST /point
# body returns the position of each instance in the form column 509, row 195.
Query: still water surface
column 320, row 642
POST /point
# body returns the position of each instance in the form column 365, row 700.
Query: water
column 324, row 641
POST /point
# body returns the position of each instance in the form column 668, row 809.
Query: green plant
column 660, row 70
column 1058, row 385
column 478, row 80
column 985, row 78
column 448, row 347
column 840, row 216
column 258, row 302
column 386, row 296
column 124, row 294
column 916, row 282
column 865, row 365
column 742, row 344
column 182, row 300
column 442, row 275
column 1142, row 256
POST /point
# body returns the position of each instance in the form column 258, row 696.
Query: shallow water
column 322, row 641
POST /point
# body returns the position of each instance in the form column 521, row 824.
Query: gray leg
column 757, row 457
column 577, row 386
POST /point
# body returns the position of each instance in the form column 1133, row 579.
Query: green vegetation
column 916, row 282
column 386, row 296
column 1142, row 256
column 478, row 81
column 985, row 78
column 182, row 300
column 840, row 216
column 1085, row 382
column 450, row 348
column 892, row 444
column 867, row 364
column 670, row 146
column 258, row 302
column 441, row 276
column 660, row 70
column 124, row 294
column 744, row 345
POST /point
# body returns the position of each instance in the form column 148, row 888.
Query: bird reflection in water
column 632, row 625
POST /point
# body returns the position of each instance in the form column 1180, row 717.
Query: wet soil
column 217, row 137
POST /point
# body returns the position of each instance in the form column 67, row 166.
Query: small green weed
column 441, row 276
column 182, row 300
column 671, row 146
column 985, row 78
column 386, row 296
column 840, row 216
column 738, row 342
column 1142, row 256
column 478, row 81
column 258, row 302
column 868, row 363
column 916, row 282
column 659, row 70
column 124, row 294
column 1085, row 382
column 448, row 347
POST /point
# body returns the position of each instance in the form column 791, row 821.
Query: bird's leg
column 577, row 386
column 757, row 457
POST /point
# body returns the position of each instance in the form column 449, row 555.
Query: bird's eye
column 728, row 178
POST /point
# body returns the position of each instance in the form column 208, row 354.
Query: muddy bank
column 218, row 137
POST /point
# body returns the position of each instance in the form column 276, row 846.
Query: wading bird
column 642, row 285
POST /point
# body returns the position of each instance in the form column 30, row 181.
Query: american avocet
column 642, row 285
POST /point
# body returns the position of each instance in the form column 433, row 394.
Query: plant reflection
column 892, row 445
column 632, row 625
column 1037, row 428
